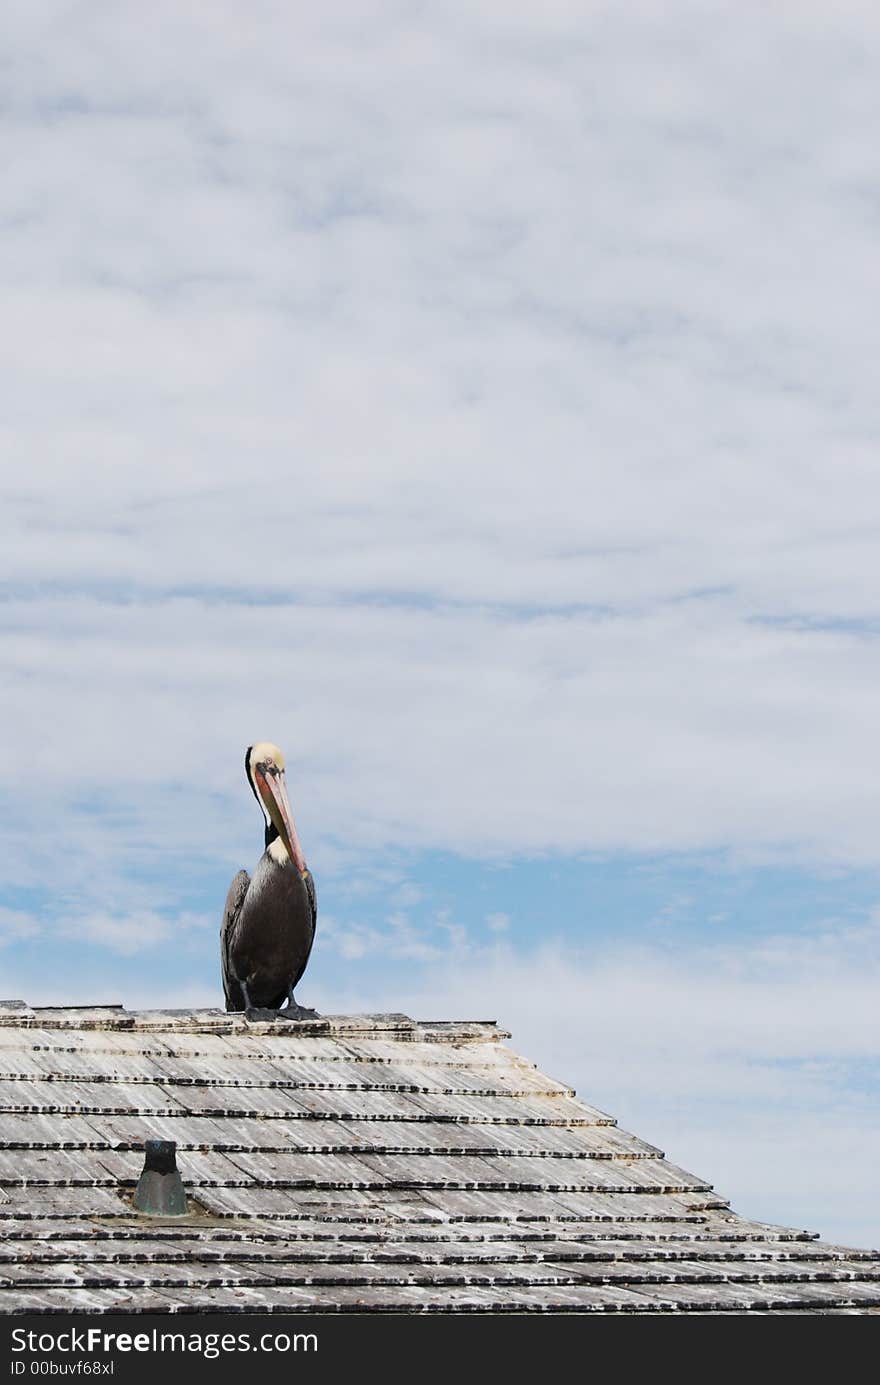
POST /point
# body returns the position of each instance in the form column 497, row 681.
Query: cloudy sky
column 479, row 401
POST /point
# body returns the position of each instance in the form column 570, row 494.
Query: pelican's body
column 269, row 921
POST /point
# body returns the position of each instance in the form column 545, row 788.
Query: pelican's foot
column 260, row 1014
column 292, row 1011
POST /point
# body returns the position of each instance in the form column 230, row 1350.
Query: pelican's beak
column 274, row 793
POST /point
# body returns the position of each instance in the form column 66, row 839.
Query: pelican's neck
column 281, row 856
column 278, row 851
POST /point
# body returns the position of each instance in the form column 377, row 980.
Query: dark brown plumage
column 269, row 920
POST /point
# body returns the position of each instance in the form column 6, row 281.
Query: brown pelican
column 269, row 921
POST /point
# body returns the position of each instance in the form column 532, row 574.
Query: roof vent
column 159, row 1192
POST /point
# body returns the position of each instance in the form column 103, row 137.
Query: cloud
column 134, row 932
column 397, row 938
column 499, row 435
column 498, row 922
column 16, row 924
column 472, row 731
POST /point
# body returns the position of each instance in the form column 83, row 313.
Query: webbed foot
column 292, row 1011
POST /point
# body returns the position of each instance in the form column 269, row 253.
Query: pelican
column 269, row 921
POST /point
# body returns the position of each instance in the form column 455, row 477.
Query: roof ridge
column 202, row 1019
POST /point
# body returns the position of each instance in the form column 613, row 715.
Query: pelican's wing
column 313, row 905
column 313, row 899
column 232, row 989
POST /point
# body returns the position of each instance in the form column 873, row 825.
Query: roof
column 352, row 1163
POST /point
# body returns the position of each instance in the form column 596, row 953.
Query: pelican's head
column 264, row 766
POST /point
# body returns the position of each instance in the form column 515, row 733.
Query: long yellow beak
column 273, row 792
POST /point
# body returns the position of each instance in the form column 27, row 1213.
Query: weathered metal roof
column 351, row 1163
